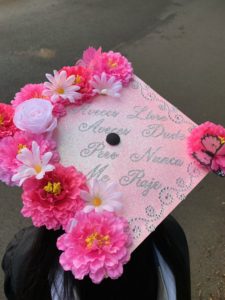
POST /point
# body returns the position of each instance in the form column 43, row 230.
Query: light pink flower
column 55, row 199
column 33, row 164
column 35, row 116
column 117, row 65
column 61, row 87
column 92, row 59
column 7, row 126
column 97, row 245
column 102, row 196
column 106, row 86
column 11, row 146
column 28, row 92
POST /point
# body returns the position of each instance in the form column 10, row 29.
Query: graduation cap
column 99, row 153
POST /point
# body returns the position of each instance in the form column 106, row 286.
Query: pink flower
column 207, row 145
column 92, row 59
column 112, row 63
column 55, row 199
column 7, row 126
column 35, row 116
column 115, row 64
column 58, row 110
column 28, row 92
column 97, row 245
column 207, row 128
column 11, row 146
column 82, row 79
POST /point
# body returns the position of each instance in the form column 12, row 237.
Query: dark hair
column 139, row 279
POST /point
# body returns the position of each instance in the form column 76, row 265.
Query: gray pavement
column 178, row 47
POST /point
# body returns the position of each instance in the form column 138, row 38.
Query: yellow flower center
column 60, row 90
column 53, row 188
column 101, row 240
column 1, row 120
column 37, row 169
column 97, row 201
column 112, row 64
column 20, row 148
column 78, row 79
column 222, row 139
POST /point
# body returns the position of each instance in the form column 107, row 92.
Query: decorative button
column 113, row 139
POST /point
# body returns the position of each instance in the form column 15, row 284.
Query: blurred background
column 177, row 47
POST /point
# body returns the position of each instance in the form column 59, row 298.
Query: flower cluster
column 207, row 145
column 96, row 239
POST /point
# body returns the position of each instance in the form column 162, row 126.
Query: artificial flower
column 28, row 92
column 33, row 164
column 82, row 79
column 206, row 144
column 206, row 128
column 53, row 200
column 102, row 196
column 97, row 245
column 106, row 86
column 11, row 146
column 7, row 126
column 61, row 87
column 92, row 59
column 115, row 64
column 35, row 116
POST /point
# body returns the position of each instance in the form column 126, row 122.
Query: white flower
column 33, row 164
column 104, row 86
column 61, row 87
column 35, row 116
column 101, row 196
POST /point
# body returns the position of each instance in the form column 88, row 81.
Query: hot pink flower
column 82, row 79
column 11, row 146
column 97, row 245
column 92, row 59
column 207, row 145
column 207, row 128
column 55, row 199
column 27, row 92
column 7, row 126
column 115, row 64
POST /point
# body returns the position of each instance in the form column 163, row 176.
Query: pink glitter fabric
column 97, row 245
column 55, row 199
column 7, row 126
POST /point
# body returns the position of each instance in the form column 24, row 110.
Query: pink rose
column 35, row 116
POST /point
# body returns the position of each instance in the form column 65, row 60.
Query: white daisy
column 102, row 196
column 33, row 164
column 61, row 86
column 104, row 86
